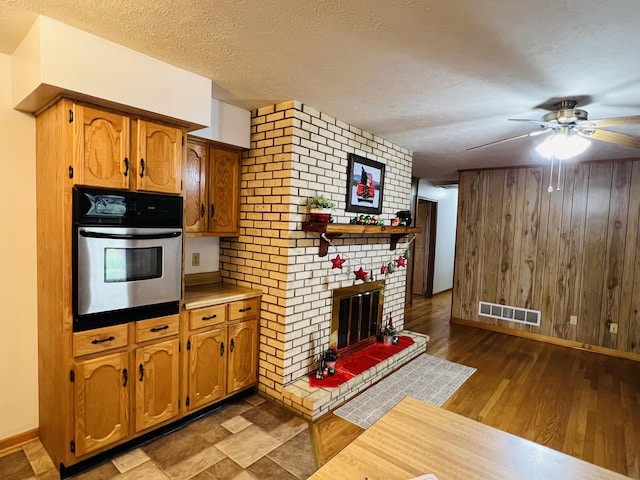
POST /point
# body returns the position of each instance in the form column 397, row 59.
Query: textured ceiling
column 434, row 76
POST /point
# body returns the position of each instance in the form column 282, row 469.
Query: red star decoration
column 401, row 262
column 383, row 269
column 361, row 274
column 337, row 262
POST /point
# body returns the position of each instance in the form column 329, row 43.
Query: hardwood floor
column 581, row 403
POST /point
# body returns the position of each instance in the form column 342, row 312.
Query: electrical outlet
column 195, row 259
column 613, row 327
column 573, row 320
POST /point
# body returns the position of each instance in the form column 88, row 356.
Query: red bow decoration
column 401, row 262
column 337, row 262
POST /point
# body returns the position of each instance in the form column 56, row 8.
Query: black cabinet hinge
column 72, row 446
column 72, row 376
column 70, row 171
column 188, row 344
column 187, row 402
column 183, row 140
column 70, row 116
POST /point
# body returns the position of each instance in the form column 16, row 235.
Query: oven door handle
column 129, row 236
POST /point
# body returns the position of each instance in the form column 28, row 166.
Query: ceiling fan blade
column 532, row 134
column 612, row 122
column 611, row 137
column 542, row 123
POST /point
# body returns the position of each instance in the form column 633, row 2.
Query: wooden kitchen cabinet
column 158, row 157
column 101, row 148
column 101, row 394
column 157, row 394
column 115, row 151
column 211, row 190
column 207, row 367
column 223, row 182
column 222, row 351
column 243, row 355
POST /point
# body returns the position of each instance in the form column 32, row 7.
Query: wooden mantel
column 333, row 230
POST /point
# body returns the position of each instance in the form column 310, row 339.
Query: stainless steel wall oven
column 127, row 254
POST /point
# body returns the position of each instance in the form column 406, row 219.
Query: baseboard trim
column 543, row 338
column 16, row 441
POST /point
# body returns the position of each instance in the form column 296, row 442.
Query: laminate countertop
column 205, row 295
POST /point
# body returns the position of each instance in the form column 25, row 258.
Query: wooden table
column 416, row 438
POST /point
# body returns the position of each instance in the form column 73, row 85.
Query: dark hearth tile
column 15, row 466
column 296, row 455
column 267, row 469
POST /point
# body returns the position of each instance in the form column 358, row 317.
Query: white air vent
column 510, row 314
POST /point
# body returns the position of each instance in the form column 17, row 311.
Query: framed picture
column 364, row 185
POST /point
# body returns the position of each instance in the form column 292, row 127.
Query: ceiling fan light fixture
column 563, row 146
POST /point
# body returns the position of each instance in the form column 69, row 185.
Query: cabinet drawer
column 157, row 328
column 205, row 317
column 244, row 309
column 100, row 339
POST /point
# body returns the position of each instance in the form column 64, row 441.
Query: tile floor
column 251, row 439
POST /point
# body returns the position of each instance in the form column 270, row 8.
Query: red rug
column 359, row 362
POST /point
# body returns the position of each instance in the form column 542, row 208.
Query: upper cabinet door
column 158, row 157
column 195, row 193
column 101, row 148
column 224, row 192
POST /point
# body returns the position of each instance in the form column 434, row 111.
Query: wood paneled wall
column 575, row 251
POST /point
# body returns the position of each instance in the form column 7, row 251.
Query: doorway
column 425, row 248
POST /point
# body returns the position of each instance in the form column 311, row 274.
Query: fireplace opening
column 356, row 315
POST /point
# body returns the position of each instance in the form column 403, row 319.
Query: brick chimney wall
column 297, row 152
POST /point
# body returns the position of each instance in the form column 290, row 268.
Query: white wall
column 209, row 250
column 18, row 289
column 447, row 199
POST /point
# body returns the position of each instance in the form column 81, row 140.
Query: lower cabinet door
column 207, row 367
column 101, row 402
column 156, row 380
column 243, row 355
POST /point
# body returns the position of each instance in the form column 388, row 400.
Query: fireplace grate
column 356, row 315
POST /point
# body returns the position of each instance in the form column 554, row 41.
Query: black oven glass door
column 122, row 268
column 131, row 264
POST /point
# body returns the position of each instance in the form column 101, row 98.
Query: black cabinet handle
column 242, row 310
column 125, row 377
column 142, row 166
column 209, row 317
column 233, row 345
column 108, row 339
column 202, row 210
column 213, row 210
column 126, row 166
column 159, row 329
column 141, row 368
column 221, row 348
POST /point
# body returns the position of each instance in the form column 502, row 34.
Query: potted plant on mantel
column 320, row 208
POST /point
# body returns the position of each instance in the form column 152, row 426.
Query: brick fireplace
column 296, row 153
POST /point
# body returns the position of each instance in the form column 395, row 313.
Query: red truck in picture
column 365, row 189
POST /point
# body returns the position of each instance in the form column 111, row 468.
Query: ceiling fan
column 567, row 120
